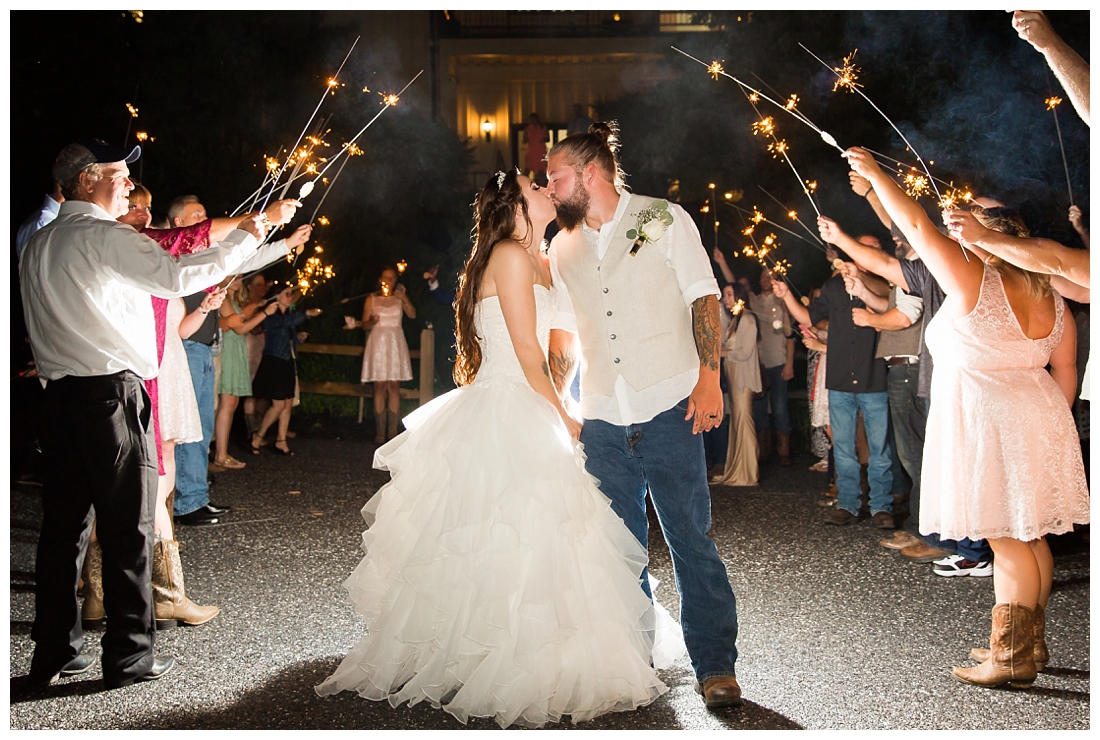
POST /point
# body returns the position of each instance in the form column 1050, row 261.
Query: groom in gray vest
column 635, row 286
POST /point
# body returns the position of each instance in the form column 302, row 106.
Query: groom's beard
column 572, row 211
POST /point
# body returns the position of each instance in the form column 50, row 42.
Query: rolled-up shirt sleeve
column 564, row 319
column 684, row 253
column 910, row 305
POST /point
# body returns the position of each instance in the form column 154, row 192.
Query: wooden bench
column 426, row 356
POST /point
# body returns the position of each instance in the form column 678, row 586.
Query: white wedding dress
column 497, row 580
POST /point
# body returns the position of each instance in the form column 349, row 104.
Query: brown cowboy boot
column 784, row 445
column 1011, row 651
column 91, row 611
column 1039, row 630
column 391, row 425
column 170, row 600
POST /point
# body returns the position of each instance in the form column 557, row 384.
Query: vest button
column 608, row 313
column 616, row 360
column 612, row 336
column 605, row 290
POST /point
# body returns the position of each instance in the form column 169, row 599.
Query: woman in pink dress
column 1001, row 457
column 386, row 357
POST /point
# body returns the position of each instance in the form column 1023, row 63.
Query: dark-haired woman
column 497, row 580
column 742, row 365
column 277, row 374
column 1001, row 459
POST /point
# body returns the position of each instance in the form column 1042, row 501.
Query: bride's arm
column 511, row 268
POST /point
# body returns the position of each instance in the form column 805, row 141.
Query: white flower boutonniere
column 651, row 225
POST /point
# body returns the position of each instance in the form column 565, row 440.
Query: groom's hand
column 705, row 403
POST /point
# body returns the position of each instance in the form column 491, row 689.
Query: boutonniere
column 651, row 225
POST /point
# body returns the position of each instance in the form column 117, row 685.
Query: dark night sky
column 219, row 89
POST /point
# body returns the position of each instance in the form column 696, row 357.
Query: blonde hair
column 140, row 194
column 1009, row 221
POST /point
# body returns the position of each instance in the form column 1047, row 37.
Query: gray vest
column 631, row 317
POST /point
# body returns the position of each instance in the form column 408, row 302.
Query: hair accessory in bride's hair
column 500, row 179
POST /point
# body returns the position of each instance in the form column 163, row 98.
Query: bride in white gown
column 497, row 580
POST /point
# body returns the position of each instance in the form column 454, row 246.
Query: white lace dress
column 1001, row 454
column 497, row 580
column 178, row 408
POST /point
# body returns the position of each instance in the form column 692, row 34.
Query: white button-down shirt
column 683, row 251
column 86, row 281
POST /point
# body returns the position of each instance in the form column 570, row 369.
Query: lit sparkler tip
column 366, row 89
column 332, row 82
column 764, row 126
column 714, row 69
column 738, row 307
column 141, row 136
column 1053, row 102
column 132, row 109
column 390, row 99
column 792, row 215
column 757, row 216
column 323, row 220
column 402, row 266
column 754, row 97
column 847, row 74
column 791, row 102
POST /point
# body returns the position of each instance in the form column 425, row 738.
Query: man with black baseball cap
column 86, row 281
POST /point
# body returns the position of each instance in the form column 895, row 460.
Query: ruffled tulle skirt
column 497, row 580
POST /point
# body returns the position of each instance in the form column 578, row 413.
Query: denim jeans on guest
column 192, row 492
column 662, row 457
column 843, row 408
column 777, row 393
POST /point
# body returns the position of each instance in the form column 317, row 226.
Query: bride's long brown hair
column 495, row 219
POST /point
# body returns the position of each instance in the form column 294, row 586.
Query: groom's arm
column 562, row 358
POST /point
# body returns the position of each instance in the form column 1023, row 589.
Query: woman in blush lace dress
column 1001, row 459
column 386, row 357
column 497, row 581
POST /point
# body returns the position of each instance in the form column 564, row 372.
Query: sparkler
column 715, row 69
column 388, row 101
column 329, row 88
column 1052, row 106
column 793, row 215
column 755, row 214
column 314, row 273
column 762, row 254
column 846, row 77
column 778, row 147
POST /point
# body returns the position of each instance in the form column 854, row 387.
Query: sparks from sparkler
column 825, row 136
column 847, row 74
column 915, row 184
column 133, row 111
column 778, row 148
column 764, row 126
column 329, row 87
column 1052, row 106
column 762, row 254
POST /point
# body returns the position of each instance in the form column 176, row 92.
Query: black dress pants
column 97, row 444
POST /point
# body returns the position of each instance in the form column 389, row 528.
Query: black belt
column 903, row 361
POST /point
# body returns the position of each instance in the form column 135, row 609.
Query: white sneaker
column 957, row 565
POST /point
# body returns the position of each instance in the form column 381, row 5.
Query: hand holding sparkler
column 963, row 227
column 861, row 186
column 829, row 229
column 282, row 211
column 255, row 224
column 300, row 236
column 1034, row 27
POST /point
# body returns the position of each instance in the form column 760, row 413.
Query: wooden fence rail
column 426, row 356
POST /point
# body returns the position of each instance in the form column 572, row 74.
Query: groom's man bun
column 600, row 145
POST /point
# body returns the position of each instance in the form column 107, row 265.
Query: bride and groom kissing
column 505, row 573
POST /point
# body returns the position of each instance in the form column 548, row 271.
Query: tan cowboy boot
column 391, row 425
column 1038, row 630
column 784, row 446
column 170, row 600
column 91, row 611
column 1011, row 651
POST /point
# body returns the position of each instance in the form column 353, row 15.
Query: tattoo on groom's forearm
column 707, row 326
column 561, row 364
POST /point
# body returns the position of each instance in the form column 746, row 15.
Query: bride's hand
column 572, row 425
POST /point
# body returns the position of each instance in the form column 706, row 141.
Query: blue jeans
column 843, row 408
column 662, row 457
column 191, row 458
column 777, row 393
